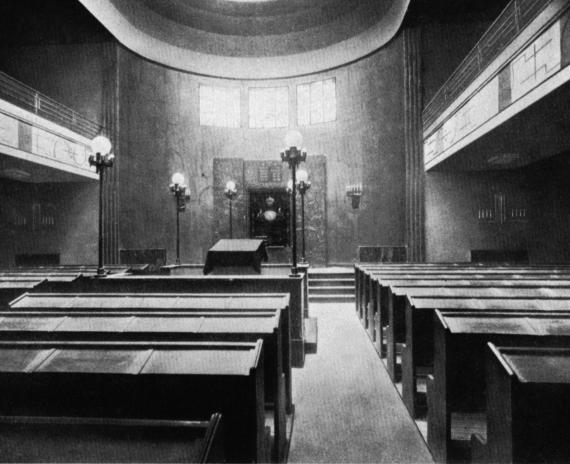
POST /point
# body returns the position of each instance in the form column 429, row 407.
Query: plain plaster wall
column 161, row 134
column 73, row 234
column 452, row 203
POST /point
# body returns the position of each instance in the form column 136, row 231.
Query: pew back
column 140, row 380
column 57, row 439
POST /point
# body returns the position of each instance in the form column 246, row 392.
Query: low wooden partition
column 528, row 405
column 456, row 390
column 67, row 439
column 141, row 380
column 293, row 285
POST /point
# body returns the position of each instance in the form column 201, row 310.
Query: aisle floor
column 346, row 408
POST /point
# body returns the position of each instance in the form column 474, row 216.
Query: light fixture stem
column 303, row 257
column 231, row 228
column 294, row 214
column 177, row 227
column 100, row 268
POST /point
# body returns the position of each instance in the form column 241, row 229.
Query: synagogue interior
column 289, row 231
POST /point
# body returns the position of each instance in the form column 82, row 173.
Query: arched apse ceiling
column 251, row 39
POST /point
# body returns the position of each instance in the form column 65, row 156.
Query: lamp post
column 179, row 191
column 293, row 155
column 230, row 192
column 303, row 185
column 101, row 159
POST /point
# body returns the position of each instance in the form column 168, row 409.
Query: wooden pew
column 160, row 326
column 11, row 288
column 64, row 439
column 528, row 405
column 71, row 268
column 374, row 293
column 417, row 354
column 456, row 390
column 86, row 303
column 391, row 312
column 386, row 317
column 363, row 271
column 266, row 269
column 14, row 285
column 374, row 278
column 395, row 300
column 206, row 284
column 141, row 380
column 371, row 290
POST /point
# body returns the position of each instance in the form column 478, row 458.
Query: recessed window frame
column 224, row 110
column 313, row 108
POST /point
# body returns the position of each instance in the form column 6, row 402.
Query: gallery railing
column 512, row 20
column 27, row 98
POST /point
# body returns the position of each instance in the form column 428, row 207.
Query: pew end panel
column 499, row 407
column 438, row 416
column 457, row 392
column 383, row 317
column 535, row 384
column 417, row 356
column 395, row 332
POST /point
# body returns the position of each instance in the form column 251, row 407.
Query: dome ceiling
column 247, row 39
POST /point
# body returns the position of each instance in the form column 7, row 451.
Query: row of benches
column 439, row 319
column 151, row 348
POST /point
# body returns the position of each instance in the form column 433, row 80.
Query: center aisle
column 346, row 408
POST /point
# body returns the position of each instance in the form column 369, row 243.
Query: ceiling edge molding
column 152, row 48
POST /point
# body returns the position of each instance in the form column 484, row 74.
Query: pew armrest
column 478, row 449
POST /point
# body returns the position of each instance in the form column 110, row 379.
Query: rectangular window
column 219, row 106
column 316, row 102
column 269, row 107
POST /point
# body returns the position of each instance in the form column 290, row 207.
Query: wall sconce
column 181, row 193
column 354, row 191
column 101, row 159
column 293, row 156
column 230, row 192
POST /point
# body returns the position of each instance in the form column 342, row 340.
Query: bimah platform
column 236, row 256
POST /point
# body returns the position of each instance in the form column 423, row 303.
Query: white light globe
column 177, row 178
column 101, row 145
column 302, row 175
column 230, row 185
column 290, row 184
column 293, row 139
